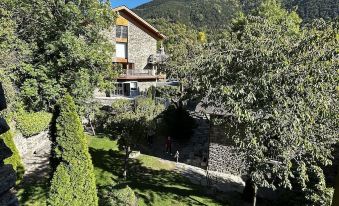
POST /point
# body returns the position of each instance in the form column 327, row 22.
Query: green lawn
column 154, row 181
column 34, row 194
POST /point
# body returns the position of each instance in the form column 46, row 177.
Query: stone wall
column 7, row 178
column 223, row 154
column 144, row 86
column 140, row 46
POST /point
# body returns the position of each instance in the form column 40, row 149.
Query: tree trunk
column 90, row 123
column 335, row 201
column 127, row 151
column 250, row 192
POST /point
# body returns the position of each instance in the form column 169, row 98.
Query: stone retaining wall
column 35, row 152
column 7, row 178
column 224, row 156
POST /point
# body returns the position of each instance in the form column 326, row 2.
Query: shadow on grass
column 33, row 188
column 149, row 185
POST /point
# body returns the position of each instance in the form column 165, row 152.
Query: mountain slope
column 218, row 13
column 313, row 9
column 198, row 13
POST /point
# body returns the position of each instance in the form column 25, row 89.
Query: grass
column 34, row 194
column 154, row 181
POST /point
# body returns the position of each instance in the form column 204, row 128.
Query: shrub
column 73, row 182
column 33, row 123
column 15, row 159
column 118, row 197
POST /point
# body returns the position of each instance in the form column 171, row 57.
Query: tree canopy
column 68, row 49
column 279, row 83
column 216, row 14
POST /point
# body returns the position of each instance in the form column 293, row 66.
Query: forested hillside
column 218, row 13
column 199, row 13
column 312, row 9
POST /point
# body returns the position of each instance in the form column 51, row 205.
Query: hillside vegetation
column 218, row 13
column 199, row 13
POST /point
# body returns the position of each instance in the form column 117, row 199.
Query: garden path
column 35, row 153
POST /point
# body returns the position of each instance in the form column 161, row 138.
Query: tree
column 73, row 181
column 182, row 43
column 278, row 82
column 336, row 193
column 69, row 48
column 131, row 122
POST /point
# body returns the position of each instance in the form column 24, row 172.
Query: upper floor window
column 121, row 31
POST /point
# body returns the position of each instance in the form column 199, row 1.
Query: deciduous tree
column 279, row 81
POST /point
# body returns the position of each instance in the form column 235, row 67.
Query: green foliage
column 216, row 14
column 119, row 197
column 68, row 49
column 279, row 81
column 313, row 9
column 133, row 119
column 182, row 43
column 167, row 91
column 197, row 13
column 12, row 51
column 15, row 159
column 73, row 181
column 32, row 123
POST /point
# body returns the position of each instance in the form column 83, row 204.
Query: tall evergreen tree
column 73, row 182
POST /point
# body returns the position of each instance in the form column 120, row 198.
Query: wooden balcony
column 140, row 74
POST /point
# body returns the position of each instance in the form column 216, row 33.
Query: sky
column 129, row 3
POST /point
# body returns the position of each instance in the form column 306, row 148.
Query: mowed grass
column 34, row 194
column 153, row 180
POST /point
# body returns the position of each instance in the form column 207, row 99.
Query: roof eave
column 145, row 23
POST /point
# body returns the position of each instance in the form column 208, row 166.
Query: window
column 121, row 50
column 121, row 32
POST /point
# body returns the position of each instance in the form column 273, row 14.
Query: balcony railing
column 139, row 72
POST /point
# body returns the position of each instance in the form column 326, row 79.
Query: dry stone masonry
column 223, row 154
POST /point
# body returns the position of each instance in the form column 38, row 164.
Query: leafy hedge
column 118, row 197
column 33, row 123
column 15, row 159
column 73, row 181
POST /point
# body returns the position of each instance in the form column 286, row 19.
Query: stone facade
column 140, row 46
column 144, row 86
column 223, row 154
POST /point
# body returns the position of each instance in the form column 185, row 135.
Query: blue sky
column 129, row 3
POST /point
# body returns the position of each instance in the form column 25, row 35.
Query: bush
column 73, row 182
column 15, row 159
column 33, row 123
column 118, row 197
